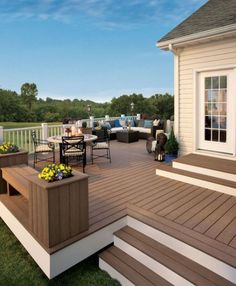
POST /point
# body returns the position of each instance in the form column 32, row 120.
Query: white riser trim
column 197, row 182
column 114, row 273
column 56, row 263
column 204, row 171
column 78, row 251
column 152, row 264
column 209, row 262
column 37, row 252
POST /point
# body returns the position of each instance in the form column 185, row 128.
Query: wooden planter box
column 58, row 210
column 11, row 159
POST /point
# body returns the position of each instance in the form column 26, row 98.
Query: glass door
column 216, row 113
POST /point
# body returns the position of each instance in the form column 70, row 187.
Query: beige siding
column 204, row 56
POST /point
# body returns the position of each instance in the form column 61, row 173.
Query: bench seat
column 16, row 178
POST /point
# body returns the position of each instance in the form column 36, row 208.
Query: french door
column 216, row 111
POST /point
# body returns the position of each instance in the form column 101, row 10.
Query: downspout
column 176, row 89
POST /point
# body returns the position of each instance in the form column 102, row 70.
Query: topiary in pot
column 172, row 146
column 84, row 124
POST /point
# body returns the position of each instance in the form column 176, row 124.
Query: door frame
column 196, row 90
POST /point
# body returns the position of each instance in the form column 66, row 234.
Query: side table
column 127, row 136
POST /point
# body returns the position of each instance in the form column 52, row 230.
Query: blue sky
column 88, row 49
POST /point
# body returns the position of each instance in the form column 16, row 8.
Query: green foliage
column 19, row 269
column 29, row 93
column 26, row 107
column 172, row 146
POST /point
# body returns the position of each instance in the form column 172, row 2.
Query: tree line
column 26, row 107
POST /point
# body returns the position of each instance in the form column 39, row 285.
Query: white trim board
column 197, row 182
column 56, row 263
column 204, row 171
column 209, row 262
column 152, row 264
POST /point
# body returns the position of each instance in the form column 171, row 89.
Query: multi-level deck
column 166, row 230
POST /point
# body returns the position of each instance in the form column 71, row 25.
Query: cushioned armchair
column 101, row 147
column 73, row 148
column 43, row 150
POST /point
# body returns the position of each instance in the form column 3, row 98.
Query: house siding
column 203, row 56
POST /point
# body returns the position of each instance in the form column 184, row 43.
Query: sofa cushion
column 141, row 123
column 117, row 123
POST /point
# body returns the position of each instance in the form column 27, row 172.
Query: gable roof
column 214, row 14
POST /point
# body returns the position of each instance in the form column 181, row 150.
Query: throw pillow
column 117, row 123
column 147, row 123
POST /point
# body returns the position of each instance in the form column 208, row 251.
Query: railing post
column 44, row 131
column 1, row 134
column 91, row 121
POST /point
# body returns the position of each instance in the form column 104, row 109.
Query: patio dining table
column 58, row 139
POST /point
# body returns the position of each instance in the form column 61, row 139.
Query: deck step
column 204, row 181
column 206, row 165
column 169, row 264
column 128, row 270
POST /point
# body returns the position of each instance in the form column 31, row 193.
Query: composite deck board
column 130, row 179
column 222, row 223
column 228, row 166
column 175, row 196
column 215, row 216
column 175, row 204
column 194, row 208
column 174, row 215
column 200, row 216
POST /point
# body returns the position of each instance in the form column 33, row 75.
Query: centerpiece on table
column 55, row 172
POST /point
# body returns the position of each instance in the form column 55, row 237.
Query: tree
column 29, row 93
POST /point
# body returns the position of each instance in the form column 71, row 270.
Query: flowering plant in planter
column 6, row 148
column 55, row 172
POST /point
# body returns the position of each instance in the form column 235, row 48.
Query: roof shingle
column 214, row 14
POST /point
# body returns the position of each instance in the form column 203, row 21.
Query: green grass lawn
column 17, row 268
column 9, row 125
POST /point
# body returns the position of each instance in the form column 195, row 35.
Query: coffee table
column 127, row 136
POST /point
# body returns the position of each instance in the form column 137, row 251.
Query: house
column 204, row 48
column 178, row 228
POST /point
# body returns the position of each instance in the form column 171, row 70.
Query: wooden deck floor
column 130, row 180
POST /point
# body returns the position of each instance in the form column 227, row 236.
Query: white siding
column 202, row 56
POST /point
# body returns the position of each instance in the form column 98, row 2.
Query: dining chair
column 73, row 147
column 101, row 144
column 41, row 149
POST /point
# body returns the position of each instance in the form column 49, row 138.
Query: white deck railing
column 22, row 136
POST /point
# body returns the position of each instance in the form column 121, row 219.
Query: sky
column 89, row 49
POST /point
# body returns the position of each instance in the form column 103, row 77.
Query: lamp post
column 89, row 109
column 132, row 107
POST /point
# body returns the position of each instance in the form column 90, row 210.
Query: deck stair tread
column 130, row 268
column 202, row 177
column 183, row 266
column 212, row 247
column 208, row 162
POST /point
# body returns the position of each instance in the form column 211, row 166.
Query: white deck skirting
column 54, row 264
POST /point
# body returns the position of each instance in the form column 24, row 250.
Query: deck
column 198, row 216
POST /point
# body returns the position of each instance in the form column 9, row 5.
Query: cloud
column 109, row 14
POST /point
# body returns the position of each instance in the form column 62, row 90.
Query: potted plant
column 171, row 146
column 85, row 129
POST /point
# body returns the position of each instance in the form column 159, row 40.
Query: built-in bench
column 57, row 211
column 16, row 179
